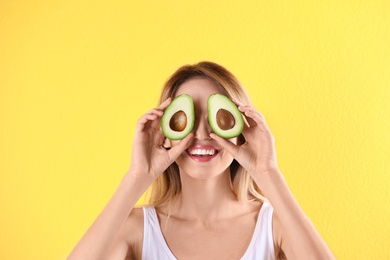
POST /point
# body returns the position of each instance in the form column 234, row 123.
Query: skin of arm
column 104, row 239
column 298, row 237
column 98, row 241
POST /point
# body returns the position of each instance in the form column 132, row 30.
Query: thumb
column 178, row 149
column 226, row 144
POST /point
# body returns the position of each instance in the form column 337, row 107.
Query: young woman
column 232, row 203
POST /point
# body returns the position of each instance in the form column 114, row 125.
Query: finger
column 154, row 114
column 145, row 120
column 255, row 117
column 253, row 110
column 156, row 123
column 178, row 149
column 250, row 122
column 238, row 103
column 225, row 144
column 155, row 111
column 159, row 111
column 164, row 104
column 246, row 123
column 159, row 139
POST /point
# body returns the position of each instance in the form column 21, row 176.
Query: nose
column 202, row 128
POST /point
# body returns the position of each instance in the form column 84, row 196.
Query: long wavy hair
column 168, row 185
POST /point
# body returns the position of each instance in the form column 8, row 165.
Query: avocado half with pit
column 224, row 117
column 178, row 118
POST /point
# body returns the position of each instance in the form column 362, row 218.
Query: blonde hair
column 168, row 185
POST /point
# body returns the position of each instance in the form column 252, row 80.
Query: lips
column 202, row 153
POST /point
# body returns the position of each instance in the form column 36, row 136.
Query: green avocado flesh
column 178, row 118
column 224, row 117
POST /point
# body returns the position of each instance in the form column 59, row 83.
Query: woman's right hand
column 149, row 157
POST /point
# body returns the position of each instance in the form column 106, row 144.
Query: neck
column 206, row 200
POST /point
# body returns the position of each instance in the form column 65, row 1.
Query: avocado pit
column 225, row 119
column 178, row 121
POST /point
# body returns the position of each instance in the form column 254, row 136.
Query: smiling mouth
column 202, row 155
column 202, row 152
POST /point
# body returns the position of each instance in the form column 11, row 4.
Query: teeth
column 201, row 152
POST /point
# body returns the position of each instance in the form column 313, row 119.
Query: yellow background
column 76, row 75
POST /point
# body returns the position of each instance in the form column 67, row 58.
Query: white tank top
column 261, row 246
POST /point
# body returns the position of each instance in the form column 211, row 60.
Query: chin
column 204, row 171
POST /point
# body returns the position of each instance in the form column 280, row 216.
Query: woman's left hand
column 258, row 154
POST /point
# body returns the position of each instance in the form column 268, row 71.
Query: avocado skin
column 183, row 103
column 220, row 101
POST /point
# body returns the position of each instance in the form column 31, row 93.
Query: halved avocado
column 178, row 118
column 224, row 117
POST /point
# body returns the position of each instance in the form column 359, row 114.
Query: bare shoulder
column 135, row 231
column 128, row 243
column 132, row 233
column 135, row 220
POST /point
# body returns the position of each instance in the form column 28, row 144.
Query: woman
column 213, row 208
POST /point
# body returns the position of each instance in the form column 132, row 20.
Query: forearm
column 100, row 236
column 304, row 242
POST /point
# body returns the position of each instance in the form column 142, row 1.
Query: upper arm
column 287, row 246
column 128, row 244
column 119, row 250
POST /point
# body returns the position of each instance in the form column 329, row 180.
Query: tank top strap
column 262, row 243
column 154, row 244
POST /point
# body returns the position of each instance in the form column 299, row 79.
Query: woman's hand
column 149, row 157
column 258, row 154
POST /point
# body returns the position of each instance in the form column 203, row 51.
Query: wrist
column 263, row 172
column 267, row 178
column 139, row 177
